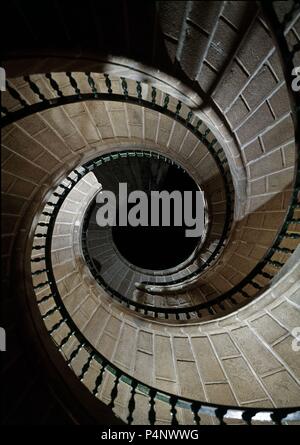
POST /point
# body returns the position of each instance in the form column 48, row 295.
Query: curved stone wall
column 244, row 359
column 46, row 143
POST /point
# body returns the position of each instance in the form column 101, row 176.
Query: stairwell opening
column 149, row 246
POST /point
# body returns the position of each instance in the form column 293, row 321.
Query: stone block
column 206, row 20
column 53, row 143
column 119, row 123
column 47, row 162
column 207, row 362
column 220, row 393
column 145, row 341
column 86, row 127
column 194, row 47
column 280, row 180
column 259, row 121
column 19, row 142
column 237, row 15
column 106, row 345
column 243, row 381
column 289, row 156
column 283, row 389
column 258, row 186
column 287, row 314
column 268, row 164
column 279, row 102
column 261, row 85
column 268, row 328
column 182, row 349
column 7, row 181
column 59, row 120
column 151, row 122
column 177, row 136
column 207, row 77
column 288, row 355
column 144, row 367
column 32, row 124
column 262, row 361
column 256, row 47
column 280, row 133
column 237, row 113
column 224, row 42
column 189, row 381
column 224, row 345
column 232, row 84
column 12, row 204
column 125, row 351
column 113, row 326
column 164, row 366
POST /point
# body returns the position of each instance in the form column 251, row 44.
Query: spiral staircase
column 206, row 88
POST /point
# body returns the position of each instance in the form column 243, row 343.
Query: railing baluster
column 282, row 249
column 220, row 413
column 278, row 416
column 38, row 286
column 275, row 264
column 45, row 298
column 178, row 108
column 124, row 87
column 4, row 110
column 266, row 275
column 75, row 353
column 92, row 84
column 15, row 94
column 189, row 116
column 51, row 311
column 86, row 366
column 35, row 89
column 43, row 224
column 173, row 410
column 254, row 284
column 54, row 84
column 65, row 339
column 108, row 83
column 244, row 293
column 153, row 96
column 166, row 101
column 292, row 235
column 152, row 413
column 114, row 391
column 39, row 271
column 99, row 379
column 37, row 259
column 195, row 406
column 248, row 415
column 40, row 235
column 139, row 90
column 131, row 403
column 73, row 83
column 196, row 128
column 57, row 325
column 73, row 182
